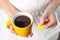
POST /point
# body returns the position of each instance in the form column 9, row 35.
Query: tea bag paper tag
column 40, row 27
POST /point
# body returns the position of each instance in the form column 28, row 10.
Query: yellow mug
column 21, row 31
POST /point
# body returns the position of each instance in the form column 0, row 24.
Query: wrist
column 8, row 7
column 11, row 14
column 52, row 6
column 10, row 10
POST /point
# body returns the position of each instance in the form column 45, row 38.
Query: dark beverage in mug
column 22, row 21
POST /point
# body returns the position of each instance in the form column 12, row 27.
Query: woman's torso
column 29, row 5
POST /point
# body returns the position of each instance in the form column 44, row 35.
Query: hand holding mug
column 21, row 24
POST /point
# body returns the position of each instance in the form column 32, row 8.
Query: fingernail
column 40, row 23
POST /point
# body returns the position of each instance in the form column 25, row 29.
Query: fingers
column 11, row 29
column 49, row 24
column 52, row 22
column 30, row 35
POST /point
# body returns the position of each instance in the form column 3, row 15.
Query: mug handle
column 8, row 23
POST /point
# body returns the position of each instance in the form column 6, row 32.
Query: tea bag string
column 38, row 13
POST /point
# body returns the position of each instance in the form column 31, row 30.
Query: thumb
column 42, row 19
column 11, row 29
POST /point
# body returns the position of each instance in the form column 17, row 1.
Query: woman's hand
column 48, row 19
column 10, row 15
column 10, row 11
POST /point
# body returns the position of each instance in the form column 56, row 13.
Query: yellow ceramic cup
column 21, row 31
